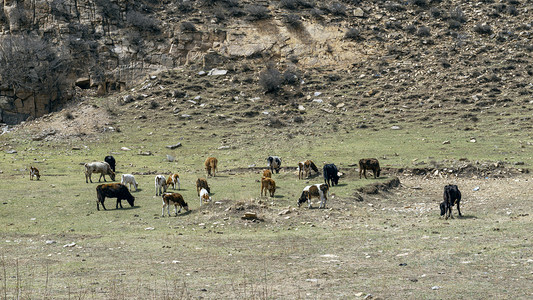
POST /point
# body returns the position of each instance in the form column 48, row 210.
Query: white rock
column 318, row 100
column 395, row 127
column 435, row 287
column 69, row 245
column 125, row 149
column 317, row 94
column 217, row 72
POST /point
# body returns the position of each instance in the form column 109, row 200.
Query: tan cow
column 211, row 165
column 268, row 184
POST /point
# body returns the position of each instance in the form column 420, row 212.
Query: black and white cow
column 331, row 174
column 274, row 163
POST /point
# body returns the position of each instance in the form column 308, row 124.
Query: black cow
column 331, row 174
column 111, row 161
column 113, row 190
column 274, row 163
column 452, row 195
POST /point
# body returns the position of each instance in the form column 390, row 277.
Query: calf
column 369, row 164
column 267, row 174
column 211, row 165
column 34, row 172
column 160, row 184
column 304, row 168
column 268, row 184
column 204, row 196
column 202, row 183
column 113, row 190
column 172, row 179
column 173, row 199
column 320, row 190
column 111, row 161
column 452, row 195
column 331, row 174
column 129, row 179
column 274, row 163
column 98, row 167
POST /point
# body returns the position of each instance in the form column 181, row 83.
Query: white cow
column 160, row 184
column 129, row 179
column 98, row 167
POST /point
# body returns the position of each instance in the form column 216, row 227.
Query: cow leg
column 179, row 184
column 101, row 202
column 163, row 210
column 459, row 209
column 176, row 210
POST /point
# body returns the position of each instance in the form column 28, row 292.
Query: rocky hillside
column 416, row 52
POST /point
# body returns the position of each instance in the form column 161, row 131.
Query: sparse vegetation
column 187, row 27
column 257, row 12
column 270, row 79
column 483, row 29
column 353, row 34
column 142, row 22
column 293, row 21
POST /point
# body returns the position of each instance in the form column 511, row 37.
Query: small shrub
column 512, row 10
column 294, row 59
column 435, row 12
column 394, row 7
column 291, row 77
column 232, row 3
column 421, row 3
column 293, row 21
column 258, row 12
column 337, row 9
column 410, row 28
column 271, row 80
column 289, row 4
column 353, row 34
column 185, row 6
column 457, row 14
column 153, row 104
column 483, row 29
column 142, row 22
column 454, row 24
column 187, row 27
column 423, row 31
column 236, row 12
column 69, row 115
column 316, row 13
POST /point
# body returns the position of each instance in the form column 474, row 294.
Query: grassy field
column 56, row 245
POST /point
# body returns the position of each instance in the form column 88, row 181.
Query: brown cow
column 172, row 179
column 267, row 174
column 34, row 172
column 369, row 164
column 202, row 183
column 173, row 199
column 211, row 165
column 113, row 190
column 304, row 168
column 268, row 184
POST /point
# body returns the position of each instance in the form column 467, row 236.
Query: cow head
column 442, row 208
column 112, row 175
column 131, row 200
column 303, row 198
column 324, row 188
column 186, row 206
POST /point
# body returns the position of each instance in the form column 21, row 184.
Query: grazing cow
column 98, row 167
column 172, row 179
column 320, row 190
column 268, row 184
column 452, row 195
column 202, row 183
column 129, row 179
column 267, row 174
column 211, row 165
column 173, row 199
column 111, row 161
column 113, row 190
column 331, row 174
column 274, row 163
column 34, row 172
column 160, row 184
column 369, row 164
column 204, row 196
column 304, row 168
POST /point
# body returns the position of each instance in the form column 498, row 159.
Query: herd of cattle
column 331, row 174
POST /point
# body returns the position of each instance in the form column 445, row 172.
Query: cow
column 451, row 196
column 268, row 184
column 113, row 190
column 211, row 165
column 267, row 174
column 111, row 161
column 172, row 179
column 331, row 174
column 173, row 199
column 274, row 163
column 98, row 167
column 369, row 164
column 160, row 184
column 202, row 183
column 320, row 190
column 129, row 179
column 304, row 168
column 204, row 196
column 34, row 172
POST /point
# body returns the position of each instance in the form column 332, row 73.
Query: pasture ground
column 54, row 244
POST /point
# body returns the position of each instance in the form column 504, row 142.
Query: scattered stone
column 435, row 287
column 147, row 153
column 202, row 73
column 217, row 72
column 473, row 140
column 476, row 189
column 249, row 216
column 316, row 94
column 149, row 228
column 340, row 105
column 174, row 146
column 284, row 212
column 11, row 151
column 125, row 149
column 50, row 242
column 301, row 108
column 369, row 296
column 318, row 100
column 76, row 148
column 358, row 294
column 358, row 12
column 170, row 158
column 185, row 116
column 223, row 147
column 69, row 245
column 127, row 99
column 446, row 142
column 395, row 127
